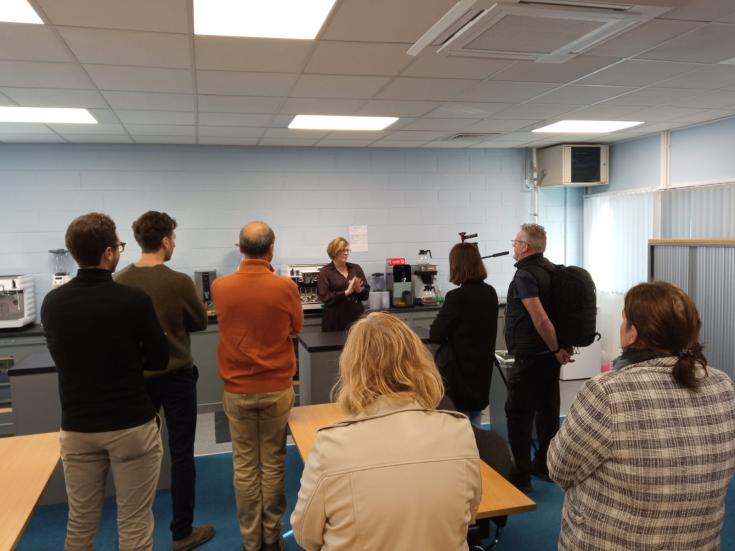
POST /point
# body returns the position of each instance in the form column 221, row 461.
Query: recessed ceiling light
column 46, row 115
column 334, row 122
column 586, row 127
column 18, row 11
column 300, row 19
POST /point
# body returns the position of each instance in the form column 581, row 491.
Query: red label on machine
column 395, row 261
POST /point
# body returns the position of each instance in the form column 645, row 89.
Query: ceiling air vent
column 545, row 31
column 473, row 136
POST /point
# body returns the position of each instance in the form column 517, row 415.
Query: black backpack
column 573, row 305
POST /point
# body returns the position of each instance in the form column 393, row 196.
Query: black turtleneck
column 102, row 335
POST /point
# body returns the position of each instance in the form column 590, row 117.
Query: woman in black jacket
column 465, row 328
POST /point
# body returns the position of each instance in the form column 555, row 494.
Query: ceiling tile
column 31, row 43
column 434, row 65
column 440, row 124
column 709, row 99
column 290, row 134
column 161, row 15
column 469, row 110
column 24, row 128
column 150, row 101
column 251, row 54
column 397, row 143
column 238, row 104
column 603, row 111
column 98, row 138
column 156, row 117
column 397, row 108
column 104, row 116
column 182, row 140
column 533, row 111
column 31, row 138
column 384, row 20
column 704, row 115
column 661, row 113
column 417, row 135
column 231, row 131
column 328, row 86
column 581, row 95
column 160, row 130
column 141, row 79
column 235, row 119
column 447, row 145
column 512, row 92
column 43, row 75
column 287, row 142
column 354, row 58
column 221, row 140
column 709, row 77
column 491, row 125
column 90, row 129
column 710, row 44
column 638, row 73
column 357, row 135
column 128, row 47
column 652, row 96
column 315, row 106
column 437, row 89
column 701, row 10
column 51, row 97
column 336, row 142
column 561, row 73
column 641, row 38
column 244, row 84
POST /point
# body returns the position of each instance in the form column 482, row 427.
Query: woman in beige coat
column 648, row 449
column 397, row 473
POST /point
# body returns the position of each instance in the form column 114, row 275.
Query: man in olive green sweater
column 179, row 311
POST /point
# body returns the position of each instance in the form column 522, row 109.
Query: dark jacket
column 340, row 311
column 521, row 336
column 102, row 335
column 466, row 328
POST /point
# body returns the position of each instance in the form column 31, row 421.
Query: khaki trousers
column 134, row 455
column 258, row 430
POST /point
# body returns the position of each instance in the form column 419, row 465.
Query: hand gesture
column 359, row 286
column 351, row 286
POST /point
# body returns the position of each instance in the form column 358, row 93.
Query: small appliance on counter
column 17, row 301
column 61, row 267
column 203, row 280
column 398, row 283
column 424, row 276
column 305, row 276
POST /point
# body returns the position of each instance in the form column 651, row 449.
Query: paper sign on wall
column 358, row 239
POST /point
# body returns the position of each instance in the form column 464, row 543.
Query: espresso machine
column 305, row 276
column 203, row 280
column 424, row 277
column 17, row 301
column 398, row 283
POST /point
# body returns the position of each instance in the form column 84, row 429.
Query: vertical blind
column 701, row 212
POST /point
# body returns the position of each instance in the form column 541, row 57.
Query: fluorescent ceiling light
column 586, row 127
column 334, row 122
column 46, row 115
column 301, row 19
column 18, row 11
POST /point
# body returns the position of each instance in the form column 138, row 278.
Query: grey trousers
column 258, row 429
column 134, row 456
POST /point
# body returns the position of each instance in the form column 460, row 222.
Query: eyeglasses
column 514, row 241
column 120, row 246
column 346, row 251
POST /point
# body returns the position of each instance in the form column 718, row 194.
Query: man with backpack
column 531, row 337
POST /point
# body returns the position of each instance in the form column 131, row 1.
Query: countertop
column 325, row 342
column 31, row 330
column 34, row 364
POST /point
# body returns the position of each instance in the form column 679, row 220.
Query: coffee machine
column 305, row 276
column 424, row 277
column 203, row 280
column 398, row 283
column 17, row 301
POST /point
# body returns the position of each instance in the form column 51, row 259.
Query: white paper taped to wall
column 358, row 239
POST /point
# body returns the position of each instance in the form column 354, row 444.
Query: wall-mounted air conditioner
column 572, row 165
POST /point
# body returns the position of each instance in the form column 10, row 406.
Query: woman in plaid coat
column 647, row 450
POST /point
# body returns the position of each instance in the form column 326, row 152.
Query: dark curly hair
column 150, row 229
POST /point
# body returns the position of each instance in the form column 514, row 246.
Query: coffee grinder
column 424, row 277
column 61, row 267
column 398, row 282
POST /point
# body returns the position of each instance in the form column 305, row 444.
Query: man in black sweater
column 102, row 335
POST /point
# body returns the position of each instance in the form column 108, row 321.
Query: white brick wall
column 409, row 199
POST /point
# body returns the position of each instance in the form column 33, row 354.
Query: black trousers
column 176, row 392
column 533, row 395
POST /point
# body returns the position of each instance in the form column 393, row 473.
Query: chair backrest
column 494, row 451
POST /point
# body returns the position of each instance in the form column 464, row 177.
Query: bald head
column 256, row 240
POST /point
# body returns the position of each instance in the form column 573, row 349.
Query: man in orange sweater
column 258, row 311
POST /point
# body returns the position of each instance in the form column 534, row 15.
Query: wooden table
column 499, row 497
column 26, row 463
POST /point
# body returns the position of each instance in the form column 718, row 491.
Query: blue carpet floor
column 537, row 531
